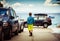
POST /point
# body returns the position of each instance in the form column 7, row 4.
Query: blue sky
column 34, row 6
column 26, row 1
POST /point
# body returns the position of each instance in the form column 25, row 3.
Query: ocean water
column 55, row 20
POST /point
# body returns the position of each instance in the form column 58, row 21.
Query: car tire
column 22, row 28
column 25, row 26
column 2, row 36
column 19, row 29
column 45, row 25
column 16, row 32
column 7, row 34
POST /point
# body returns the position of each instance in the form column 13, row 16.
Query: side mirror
column 11, row 17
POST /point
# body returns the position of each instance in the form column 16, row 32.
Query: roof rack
column 40, row 14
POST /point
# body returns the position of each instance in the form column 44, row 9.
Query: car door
column 14, row 21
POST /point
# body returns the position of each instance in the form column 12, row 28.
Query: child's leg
column 30, row 32
column 30, row 28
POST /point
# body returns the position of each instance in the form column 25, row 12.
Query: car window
column 3, row 12
column 40, row 18
column 13, row 13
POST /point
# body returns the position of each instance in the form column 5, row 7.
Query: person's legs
column 30, row 28
column 30, row 32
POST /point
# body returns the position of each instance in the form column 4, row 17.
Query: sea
column 55, row 17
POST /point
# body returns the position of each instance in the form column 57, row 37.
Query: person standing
column 30, row 22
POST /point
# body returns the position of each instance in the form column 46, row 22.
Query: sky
column 34, row 6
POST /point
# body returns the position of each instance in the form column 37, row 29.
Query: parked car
column 9, row 23
column 40, row 20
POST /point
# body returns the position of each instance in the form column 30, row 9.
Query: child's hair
column 30, row 14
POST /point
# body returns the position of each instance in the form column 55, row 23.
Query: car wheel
column 19, row 29
column 1, row 36
column 22, row 28
column 25, row 25
column 16, row 32
column 7, row 34
column 45, row 25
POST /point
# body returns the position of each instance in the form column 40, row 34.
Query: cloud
column 48, row 3
column 23, row 8
column 20, row 7
column 30, row 5
column 17, row 4
column 5, row 4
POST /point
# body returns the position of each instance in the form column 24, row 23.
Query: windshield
column 3, row 12
column 40, row 17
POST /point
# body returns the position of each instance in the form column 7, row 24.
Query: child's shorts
column 30, row 26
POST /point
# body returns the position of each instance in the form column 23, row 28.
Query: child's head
column 30, row 14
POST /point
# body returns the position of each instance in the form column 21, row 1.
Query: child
column 30, row 22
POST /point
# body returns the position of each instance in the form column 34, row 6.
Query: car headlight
column 5, row 23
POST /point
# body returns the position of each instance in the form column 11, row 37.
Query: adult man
column 30, row 22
